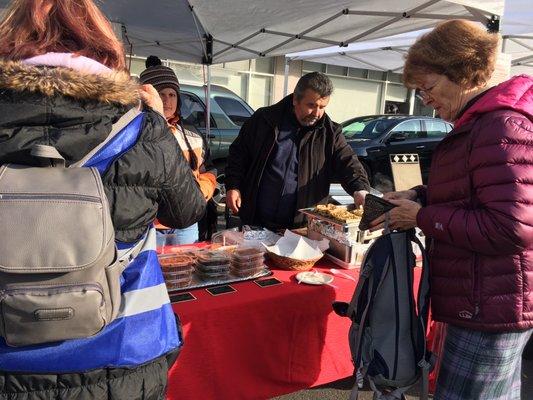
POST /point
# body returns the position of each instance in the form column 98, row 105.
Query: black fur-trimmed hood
column 115, row 87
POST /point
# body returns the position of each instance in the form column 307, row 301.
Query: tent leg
column 412, row 100
column 286, row 78
column 384, row 87
column 208, row 105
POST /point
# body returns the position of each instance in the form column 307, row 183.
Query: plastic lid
column 213, row 276
column 248, row 254
column 175, row 260
column 249, row 263
column 213, row 257
column 213, row 268
column 169, row 275
column 244, row 272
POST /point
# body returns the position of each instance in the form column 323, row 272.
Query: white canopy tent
column 215, row 31
column 387, row 54
column 230, row 30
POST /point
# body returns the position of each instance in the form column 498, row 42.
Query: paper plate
column 314, row 278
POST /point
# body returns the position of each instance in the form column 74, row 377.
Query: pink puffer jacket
column 479, row 214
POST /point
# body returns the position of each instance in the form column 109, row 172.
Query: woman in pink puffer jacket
column 477, row 210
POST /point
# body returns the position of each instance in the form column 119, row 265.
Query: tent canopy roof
column 244, row 29
column 387, row 53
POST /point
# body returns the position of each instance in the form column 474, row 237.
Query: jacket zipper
column 276, row 133
column 477, row 287
column 44, row 196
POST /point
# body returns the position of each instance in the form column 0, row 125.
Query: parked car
column 228, row 113
column 375, row 137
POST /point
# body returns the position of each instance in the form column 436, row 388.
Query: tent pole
column 286, row 77
column 504, row 43
column 384, row 87
column 412, row 100
column 208, row 105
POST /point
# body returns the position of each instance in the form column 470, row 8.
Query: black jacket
column 324, row 157
column 74, row 112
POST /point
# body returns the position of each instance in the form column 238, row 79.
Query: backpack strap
column 423, row 311
column 116, row 129
column 48, row 152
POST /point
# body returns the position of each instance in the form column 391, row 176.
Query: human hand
column 402, row 217
column 151, row 98
column 233, row 200
column 359, row 197
column 404, row 194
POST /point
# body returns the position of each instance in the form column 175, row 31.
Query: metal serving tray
column 340, row 244
column 347, row 227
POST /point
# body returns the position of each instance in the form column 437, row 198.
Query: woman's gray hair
column 317, row 82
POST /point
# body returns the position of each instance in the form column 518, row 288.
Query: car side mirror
column 397, row 137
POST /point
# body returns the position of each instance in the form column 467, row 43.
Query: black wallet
column 373, row 208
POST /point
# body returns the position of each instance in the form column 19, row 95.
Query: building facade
column 261, row 82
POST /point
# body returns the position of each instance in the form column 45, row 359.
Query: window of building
column 376, row 75
column 238, row 65
column 263, row 65
column 336, row 70
column 394, row 77
column 357, row 72
column 309, row 66
column 233, row 109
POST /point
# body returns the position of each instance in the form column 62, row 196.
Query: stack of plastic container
column 247, row 261
column 177, row 270
column 212, row 265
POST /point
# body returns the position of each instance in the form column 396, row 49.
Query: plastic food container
column 171, row 276
column 248, row 254
column 213, row 269
column 246, row 272
column 178, row 283
column 175, row 262
column 257, row 263
column 213, row 258
column 213, row 275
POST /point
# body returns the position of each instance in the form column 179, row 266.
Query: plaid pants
column 481, row 365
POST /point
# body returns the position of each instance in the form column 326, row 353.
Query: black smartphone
column 218, row 290
column 373, row 208
column 179, row 297
column 268, row 282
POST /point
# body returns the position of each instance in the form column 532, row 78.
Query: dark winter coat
column 323, row 157
column 74, row 112
column 480, row 214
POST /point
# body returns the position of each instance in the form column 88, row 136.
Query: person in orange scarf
column 192, row 144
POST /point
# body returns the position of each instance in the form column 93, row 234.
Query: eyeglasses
column 425, row 94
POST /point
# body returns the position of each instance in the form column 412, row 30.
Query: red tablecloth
column 258, row 343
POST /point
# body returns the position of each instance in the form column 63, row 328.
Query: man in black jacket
column 286, row 156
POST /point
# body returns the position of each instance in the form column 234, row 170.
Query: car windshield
column 367, row 128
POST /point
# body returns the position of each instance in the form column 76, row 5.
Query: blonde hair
column 461, row 50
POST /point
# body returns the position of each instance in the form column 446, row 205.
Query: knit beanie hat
column 159, row 76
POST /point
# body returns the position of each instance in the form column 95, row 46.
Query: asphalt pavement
column 340, row 390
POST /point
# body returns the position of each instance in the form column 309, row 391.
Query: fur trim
column 116, row 87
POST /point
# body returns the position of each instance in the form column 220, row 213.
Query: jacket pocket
column 33, row 315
